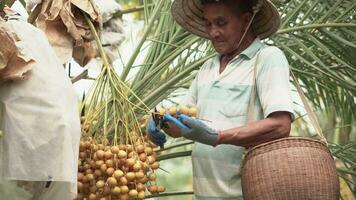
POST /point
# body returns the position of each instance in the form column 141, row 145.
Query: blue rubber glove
column 193, row 129
column 153, row 134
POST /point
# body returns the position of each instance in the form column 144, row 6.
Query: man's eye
column 207, row 24
column 221, row 23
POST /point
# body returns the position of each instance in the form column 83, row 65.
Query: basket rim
column 282, row 139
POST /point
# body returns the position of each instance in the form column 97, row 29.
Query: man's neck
column 248, row 40
column 226, row 58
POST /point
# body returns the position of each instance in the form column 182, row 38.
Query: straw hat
column 189, row 14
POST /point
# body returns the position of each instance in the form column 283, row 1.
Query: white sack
column 39, row 117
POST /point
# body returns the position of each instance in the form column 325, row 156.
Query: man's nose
column 214, row 32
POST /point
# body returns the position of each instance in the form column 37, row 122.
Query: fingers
column 173, row 120
column 157, row 137
column 151, row 126
column 172, row 130
column 153, row 134
column 192, row 123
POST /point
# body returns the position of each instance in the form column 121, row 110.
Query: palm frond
column 319, row 39
column 346, row 161
column 172, row 55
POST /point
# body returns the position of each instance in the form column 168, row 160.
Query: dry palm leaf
column 66, row 29
column 15, row 60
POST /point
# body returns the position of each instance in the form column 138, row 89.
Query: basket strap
column 251, row 104
column 313, row 119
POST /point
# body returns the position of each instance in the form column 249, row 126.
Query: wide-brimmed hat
column 189, row 14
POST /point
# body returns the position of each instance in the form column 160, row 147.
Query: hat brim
column 189, row 15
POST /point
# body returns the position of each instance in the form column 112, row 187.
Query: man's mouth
column 219, row 42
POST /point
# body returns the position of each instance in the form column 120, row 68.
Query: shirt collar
column 252, row 50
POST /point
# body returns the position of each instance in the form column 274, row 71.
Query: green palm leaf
column 319, row 39
column 172, row 56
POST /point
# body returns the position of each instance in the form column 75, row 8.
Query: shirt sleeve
column 273, row 86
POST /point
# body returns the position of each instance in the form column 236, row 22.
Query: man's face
column 224, row 27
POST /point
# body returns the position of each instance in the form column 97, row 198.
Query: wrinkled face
column 224, row 27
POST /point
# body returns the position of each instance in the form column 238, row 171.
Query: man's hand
column 153, row 134
column 193, row 129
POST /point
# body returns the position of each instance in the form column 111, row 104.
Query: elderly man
column 223, row 88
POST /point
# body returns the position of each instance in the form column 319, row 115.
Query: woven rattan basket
column 290, row 169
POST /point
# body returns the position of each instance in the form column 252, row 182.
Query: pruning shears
column 158, row 120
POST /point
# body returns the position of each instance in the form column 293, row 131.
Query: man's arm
column 275, row 126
